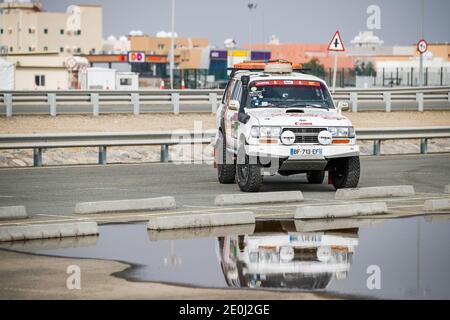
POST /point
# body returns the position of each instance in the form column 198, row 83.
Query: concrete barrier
column 374, row 192
column 212, row 232
column 437, row 204
column 208, row 220
column 447, row 189
column 336, row 224
column 125, row 205
column 11, row 213
column 340, row 211
column 259, row 197
column 47, row 231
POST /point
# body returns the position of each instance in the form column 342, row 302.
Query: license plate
column 306, row 152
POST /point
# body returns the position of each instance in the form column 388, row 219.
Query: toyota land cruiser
column 276, row 120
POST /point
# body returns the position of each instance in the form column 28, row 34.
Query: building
column 191, row 51
column 302, row 53
column 366, row 39
column 40, row 72
column 26, row 27
column 49, row 71
column 438, row 50
column 161, row 44
column 191, row 58
column 221, row 59
column 113, row 45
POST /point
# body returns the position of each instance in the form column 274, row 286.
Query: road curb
column 447, row 189
column 259, row 197
column 12, row 213
column 436, row 204
column 51, row 244
column 125, row 205
column 340, row 210
column 374, row 192
column 48, row 231
column 200, row 220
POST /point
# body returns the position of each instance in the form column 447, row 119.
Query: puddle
column 330, row 256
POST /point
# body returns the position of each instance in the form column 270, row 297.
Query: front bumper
column 322, row 152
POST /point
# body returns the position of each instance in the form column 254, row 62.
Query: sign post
column 336, row 45
column 422, row 47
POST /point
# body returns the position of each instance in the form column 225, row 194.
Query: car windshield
column 289, row 93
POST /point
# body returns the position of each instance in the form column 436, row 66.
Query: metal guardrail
column 137, row 99
column 38, row 142
column 377, row 135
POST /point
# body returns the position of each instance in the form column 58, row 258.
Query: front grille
column 306, row 135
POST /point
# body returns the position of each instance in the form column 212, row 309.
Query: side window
column 237, row 91
column 228, row 91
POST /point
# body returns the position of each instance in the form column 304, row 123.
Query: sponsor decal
column 287, row 82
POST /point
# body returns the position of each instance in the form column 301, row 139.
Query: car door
column 231, row 117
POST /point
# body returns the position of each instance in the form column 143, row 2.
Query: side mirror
column 342, row 106
column 234, row 105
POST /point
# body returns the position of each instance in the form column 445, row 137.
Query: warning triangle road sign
column 336, row 43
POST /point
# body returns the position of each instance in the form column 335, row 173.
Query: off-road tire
column 253, row 179
column 315, row 177
column 226, row 173
column 345, row 172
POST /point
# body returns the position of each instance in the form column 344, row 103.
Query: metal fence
column 391, row 77
column 39, row 142
column 176, row 101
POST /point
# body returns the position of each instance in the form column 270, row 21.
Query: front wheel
column 226, row 168
column 248, row 172
column 345, row 172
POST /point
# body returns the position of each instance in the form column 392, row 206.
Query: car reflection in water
column 277, row 256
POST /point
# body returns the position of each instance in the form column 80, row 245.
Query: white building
column 113, row 45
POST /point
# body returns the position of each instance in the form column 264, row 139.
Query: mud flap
column 330, row 178
column 216, row 157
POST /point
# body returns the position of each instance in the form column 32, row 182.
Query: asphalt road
column 56, row 190
column 196, row 107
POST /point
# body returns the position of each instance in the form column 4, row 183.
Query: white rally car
column 276, row 121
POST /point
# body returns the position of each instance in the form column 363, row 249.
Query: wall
column 55, row 78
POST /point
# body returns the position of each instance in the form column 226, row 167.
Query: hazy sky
column 312, row 21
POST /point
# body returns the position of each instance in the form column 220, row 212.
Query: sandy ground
column 25, row 276
column 167, row 122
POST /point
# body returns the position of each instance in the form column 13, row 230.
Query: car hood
column 298, row 117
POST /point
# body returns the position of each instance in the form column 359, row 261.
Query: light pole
column 422, row 22
column 172, row 46
column 251, row 6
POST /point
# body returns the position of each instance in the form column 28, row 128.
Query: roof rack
column 260, row 65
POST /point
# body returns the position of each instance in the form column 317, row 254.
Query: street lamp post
column 422, row 22
column 172, row 46
column 251, row 6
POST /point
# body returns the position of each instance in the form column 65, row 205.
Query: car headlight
column 342, row 132
column 257, row 132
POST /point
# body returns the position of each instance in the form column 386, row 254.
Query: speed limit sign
column 422, row 46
